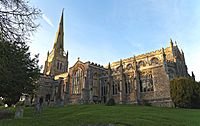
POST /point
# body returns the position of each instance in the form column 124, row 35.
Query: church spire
column 59, row 41
column 57, row 61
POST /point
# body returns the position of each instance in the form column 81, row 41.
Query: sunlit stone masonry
column 136, row 80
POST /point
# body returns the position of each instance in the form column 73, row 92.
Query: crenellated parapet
column 95, row 65
column 143, row 60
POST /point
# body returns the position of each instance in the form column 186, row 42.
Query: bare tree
column 17, row 19
column 18, row 71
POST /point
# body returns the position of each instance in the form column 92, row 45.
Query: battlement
column 156, row 52
column 141, row 56
column 95, row 64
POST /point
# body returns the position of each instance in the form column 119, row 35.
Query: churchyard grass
column 120, row 115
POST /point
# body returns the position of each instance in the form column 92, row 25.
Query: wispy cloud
column 47, row 20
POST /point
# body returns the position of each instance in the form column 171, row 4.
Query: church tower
column 57, row 60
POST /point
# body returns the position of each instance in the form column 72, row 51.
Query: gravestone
column 62, row 103
column 37, row 108
column 19, row 112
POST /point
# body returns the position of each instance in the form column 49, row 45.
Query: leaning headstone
column 19, row 112
column 37, row 108
column 61, row 103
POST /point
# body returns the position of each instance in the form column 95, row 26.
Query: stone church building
column 143, row 78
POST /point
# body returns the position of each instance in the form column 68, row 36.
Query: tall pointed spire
column 61, row 18
column 57, row 59
column 59, row 41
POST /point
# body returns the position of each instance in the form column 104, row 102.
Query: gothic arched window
column 128, row 85
column 141, row 63
column 77, row 80
column 154, row 60
column 102, row 85
column 116, row 87
column 129, row 66
column 146, row 82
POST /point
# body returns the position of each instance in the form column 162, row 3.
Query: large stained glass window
column 154, row 60
column 128, row 85
column 103, row 87
column 146, row 82
column 77, row 80
column 116, row 86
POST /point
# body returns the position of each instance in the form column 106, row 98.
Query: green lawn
column 121, row 115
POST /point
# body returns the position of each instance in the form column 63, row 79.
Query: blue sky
column 104, row 31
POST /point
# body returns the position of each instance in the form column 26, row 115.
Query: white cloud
column 47, row 20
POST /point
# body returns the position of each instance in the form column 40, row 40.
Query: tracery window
column 128, row 85
column 77, row 80
column 154, row 60
column 95, row 84
column 146, row 82
column 129, row 66
column 115, row 87
column 141, row 63
column 103, row 87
